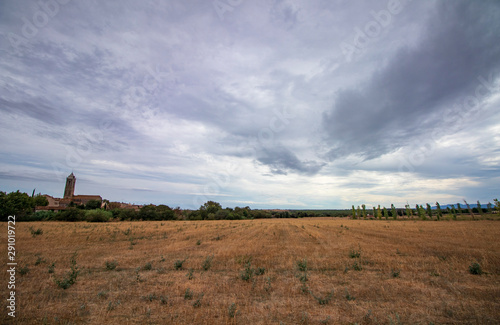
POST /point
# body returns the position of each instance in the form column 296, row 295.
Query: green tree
column 497, row 204
column 93, row 204
column 459, row 208
column 359, row 212
column 409, row 212
column 148, row 212
column 490, row 207
column 439, row 212
column 479, row 208
column 40, row 201
column 386, row 214
column 470, row 210
column 374, row 212
column 379, row 213
column 70, row 214
column 364, row 210
column 394, row 212
column 15, row 204
column 353, row 212
column 209, row 207
column 429, row 211
column 420, row 212
column 453, row 212
column 164, row 212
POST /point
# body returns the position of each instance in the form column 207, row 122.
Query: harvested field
column 278, row 271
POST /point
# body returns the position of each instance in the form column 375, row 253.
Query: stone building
column 56, row 204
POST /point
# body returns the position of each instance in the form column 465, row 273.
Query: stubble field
column 273, row 271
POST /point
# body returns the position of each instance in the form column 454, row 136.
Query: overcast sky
column 267, row 103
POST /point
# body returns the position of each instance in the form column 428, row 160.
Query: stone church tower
column 69, row 190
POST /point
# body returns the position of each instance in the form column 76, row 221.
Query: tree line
column 424, row 213
column 23, row 206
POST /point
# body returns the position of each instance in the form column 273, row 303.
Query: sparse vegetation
column 71, row 276
column 291, row 265
column 179, row 263
column 475, row 268
column 111, row 265
column 37, row 232
column 207, row 263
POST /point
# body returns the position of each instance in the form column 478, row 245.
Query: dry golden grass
column 433, row 258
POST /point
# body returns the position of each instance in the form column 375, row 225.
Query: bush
column 37, row 232
column 207, row 263
column 475, row 268
column 178, row 264
column 70, row 276
column 111, row 265
column 302, row 265
column 71, row 214
column 98, row 215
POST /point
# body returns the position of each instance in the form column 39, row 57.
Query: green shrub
column 302, row 265
column 24, row 270
column 98, row 215
column 207, row 263
column 356, row 266
column 233, row 310
column 70, row 214
column 71, row 276
column 41, row 216
column 111, row 265
column 37, row 232
column 188, row 294
column 178, row 264
column 197, row 302
column 355, row 253
column 247, row 273
column 321, row 300
column 475, row 268
column 147, row 267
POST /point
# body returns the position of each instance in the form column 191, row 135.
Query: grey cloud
column 399, row 100
column 281, row 161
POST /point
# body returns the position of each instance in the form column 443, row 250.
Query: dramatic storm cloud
column 284, row 104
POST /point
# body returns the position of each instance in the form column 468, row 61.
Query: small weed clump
column 395, row 273
column 39, row 261
column 70, row 276
column 190, row 275
column 355, row 253
column 321, row 300
column 178, row 264
column 248, row 273
column 51, row 268
column 357, row 267
column 147, row 267
column 197, row 302
column 207, row 263
column 302, row 265
column 37, row 232
column 24, row 270
column 475, row 268
column 188, row 294
column 111, row 265
column 348, row 295
column 102, row 294
column 233, row 310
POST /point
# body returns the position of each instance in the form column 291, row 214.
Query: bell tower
column 69, row 190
